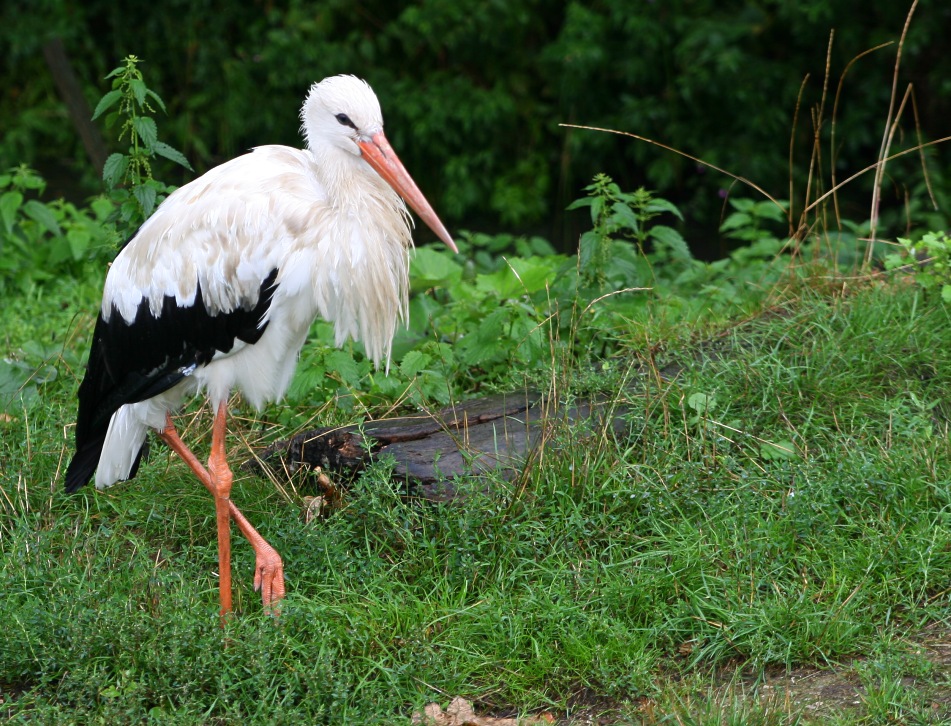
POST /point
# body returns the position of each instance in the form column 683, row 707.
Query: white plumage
column 217, row 290
column 276, row 214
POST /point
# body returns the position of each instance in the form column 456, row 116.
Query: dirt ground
column 814, row 694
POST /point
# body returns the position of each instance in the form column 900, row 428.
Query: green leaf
column 413, row 363
column 587, row 246
column 105, row 103
column 936, row 244
column 535, row 246
column 78, row 240
column 113, row 171
column 702, row 403
column 597, row 204
column 343, row 364
column 308, row 379
column 43, row 215
column 145, row 194
column 170, row 153
column 434, row 387
column 736, row 220
column 742, row 204
column 146, row 129
column 763, row 248
column 155, row 97
column 946, row 293
column 9, row 204
column 16, row 390
column 487, row 341
column 26, row 178
column 771, row 210
column 129, row 209
column 656, row 206
column 101, row 207
column 778, row 450
column 433, row 268
column 578, row 203
column 139, row 89
column 624, row 216
column 520, row 276
column 893, row 261
column 673, row 241
column 57, row 252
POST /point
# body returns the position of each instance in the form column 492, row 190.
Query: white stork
column 218, row 288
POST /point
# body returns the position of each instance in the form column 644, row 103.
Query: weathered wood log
column 497, row 434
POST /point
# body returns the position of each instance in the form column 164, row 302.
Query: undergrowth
column 684, row 545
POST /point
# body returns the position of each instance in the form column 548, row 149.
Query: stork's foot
column 269, row 576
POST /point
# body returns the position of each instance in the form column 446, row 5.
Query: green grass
column 796, row 514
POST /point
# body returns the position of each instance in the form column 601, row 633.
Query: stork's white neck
column 363, row 262
column 348, row 179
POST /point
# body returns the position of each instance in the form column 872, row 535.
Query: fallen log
column 497, row 434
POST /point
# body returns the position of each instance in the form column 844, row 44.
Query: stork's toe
column 269, row 577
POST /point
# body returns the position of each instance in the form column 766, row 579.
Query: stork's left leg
column 269, row 569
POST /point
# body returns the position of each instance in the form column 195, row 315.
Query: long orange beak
column 380, row 155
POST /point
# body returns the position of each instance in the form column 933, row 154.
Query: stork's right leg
column 221, row 478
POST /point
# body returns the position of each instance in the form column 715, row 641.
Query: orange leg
column 222, row 478
column 269, row 569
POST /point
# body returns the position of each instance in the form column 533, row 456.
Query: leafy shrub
column 22, row 377
column 929, row 259
column 750, row 221
column 128, row 177
column 41, row 240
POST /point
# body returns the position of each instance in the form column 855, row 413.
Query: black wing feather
column 132, row 362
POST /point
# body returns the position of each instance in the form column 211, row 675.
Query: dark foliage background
column 473, row 92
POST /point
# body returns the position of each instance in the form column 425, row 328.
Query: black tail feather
column 83, row 464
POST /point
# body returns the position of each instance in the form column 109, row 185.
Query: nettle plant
column 619, row 217
column 929, row 259
column 128, row 176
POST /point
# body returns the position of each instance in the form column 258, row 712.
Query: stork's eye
column 345, row 120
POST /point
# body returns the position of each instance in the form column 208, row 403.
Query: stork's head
column 342, row 112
